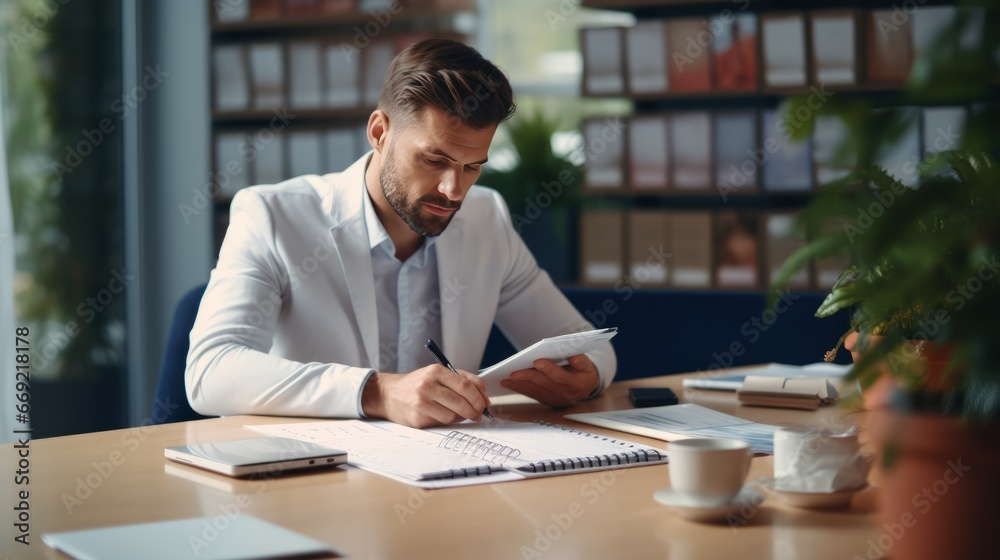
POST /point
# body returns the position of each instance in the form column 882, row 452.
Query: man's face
column 429, row 167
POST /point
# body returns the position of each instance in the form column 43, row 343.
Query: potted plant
column 924, row 296
column 541, row 190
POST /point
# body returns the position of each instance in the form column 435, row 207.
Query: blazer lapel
column 350, row 242
column 451, row 285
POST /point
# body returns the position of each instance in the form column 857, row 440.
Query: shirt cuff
column 600, row 385
column 361, row 389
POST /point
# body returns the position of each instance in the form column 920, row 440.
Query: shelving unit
column 294, row 82
column 639, row 176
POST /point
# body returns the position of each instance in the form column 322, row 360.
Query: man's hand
column 556, row 386
column 429, row 396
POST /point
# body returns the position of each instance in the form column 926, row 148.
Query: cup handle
column 746, row 465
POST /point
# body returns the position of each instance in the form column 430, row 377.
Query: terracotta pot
column 933, row 358
column 940, row 491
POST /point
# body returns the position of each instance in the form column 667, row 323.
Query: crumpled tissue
column 815, row 460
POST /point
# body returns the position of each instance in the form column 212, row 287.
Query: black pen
column 432, row 347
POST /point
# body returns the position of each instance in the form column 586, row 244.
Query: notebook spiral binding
column 479, row 447
column 500, row 454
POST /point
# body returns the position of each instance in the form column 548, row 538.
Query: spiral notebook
column 469, row 453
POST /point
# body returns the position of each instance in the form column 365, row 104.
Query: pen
column 432, row 347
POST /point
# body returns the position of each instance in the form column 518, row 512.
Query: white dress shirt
column 405, row 297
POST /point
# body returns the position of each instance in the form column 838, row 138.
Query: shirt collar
column 376, row 231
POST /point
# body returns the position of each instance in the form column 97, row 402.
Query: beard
column 410, row 210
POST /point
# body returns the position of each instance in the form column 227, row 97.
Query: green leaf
column 836, row 300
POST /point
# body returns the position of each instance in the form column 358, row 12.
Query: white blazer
column 288, row 324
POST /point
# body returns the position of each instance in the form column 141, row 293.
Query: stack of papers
column 734, row 381
column 797, row 392
column 683, row 421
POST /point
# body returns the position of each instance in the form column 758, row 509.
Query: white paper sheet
column 683, row 421
column 557, row 349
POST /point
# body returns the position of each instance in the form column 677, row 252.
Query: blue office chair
column 171, row 397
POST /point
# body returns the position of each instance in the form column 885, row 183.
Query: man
column 327, row 287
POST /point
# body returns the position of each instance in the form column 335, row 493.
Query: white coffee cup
column 709, row 471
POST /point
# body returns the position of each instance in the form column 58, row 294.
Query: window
column 62, row 117
column 537, row 45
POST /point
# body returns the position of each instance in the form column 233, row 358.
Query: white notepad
column 199, row 538
column 558, row 349
column 469, row 453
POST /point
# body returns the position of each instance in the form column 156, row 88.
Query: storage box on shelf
column 294, row 82
column 706, row 162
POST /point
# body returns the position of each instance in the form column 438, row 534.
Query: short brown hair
column 450, row 76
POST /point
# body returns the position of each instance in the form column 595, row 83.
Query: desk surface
column 120, row 477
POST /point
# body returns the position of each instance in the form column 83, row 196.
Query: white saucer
column 818, row 500
column 682, row 506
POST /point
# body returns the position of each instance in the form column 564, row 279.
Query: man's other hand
column 554, row 385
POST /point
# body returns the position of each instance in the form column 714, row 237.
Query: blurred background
column 129, row 125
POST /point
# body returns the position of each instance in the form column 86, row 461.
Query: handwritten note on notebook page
column 468, row 453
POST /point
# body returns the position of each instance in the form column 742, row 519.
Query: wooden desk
column 75, row 484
